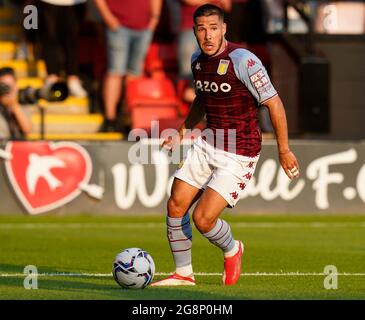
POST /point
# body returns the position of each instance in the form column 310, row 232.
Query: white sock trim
column 185, row 271
column 232, row 252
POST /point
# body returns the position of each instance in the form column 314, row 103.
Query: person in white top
column 59, row 34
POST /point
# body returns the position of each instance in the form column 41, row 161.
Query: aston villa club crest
column 223, row 67
column 46, row 175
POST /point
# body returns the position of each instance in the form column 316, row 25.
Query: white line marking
column 151, row 225
column 205, row 274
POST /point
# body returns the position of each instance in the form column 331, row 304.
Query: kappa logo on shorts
column 234, row 195
column 223, row 67
column 242, row 185
column 248, row 175
column 250, row 165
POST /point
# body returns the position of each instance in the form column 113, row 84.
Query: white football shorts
column 225, row 172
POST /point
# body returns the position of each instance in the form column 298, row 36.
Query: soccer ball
column 133, row 268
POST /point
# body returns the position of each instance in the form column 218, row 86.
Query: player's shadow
column 109, row 290
column 83, row 287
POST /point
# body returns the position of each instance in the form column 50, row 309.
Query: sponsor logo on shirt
column 259, row 79
column 250, row 63
column 223, row 67
column 206, row 86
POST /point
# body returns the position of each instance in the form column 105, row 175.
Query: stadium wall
column 345, row 54
column 66, row 178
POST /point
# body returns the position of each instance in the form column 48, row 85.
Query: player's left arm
column 252, row 73
column 287, row 158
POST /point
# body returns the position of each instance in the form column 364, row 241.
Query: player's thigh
column 183, row 196
column 208, row 209
column 195, row 169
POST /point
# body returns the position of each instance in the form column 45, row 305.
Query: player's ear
column 224, row 28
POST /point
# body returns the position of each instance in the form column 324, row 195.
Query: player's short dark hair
column 7, row 71
column 207, row 10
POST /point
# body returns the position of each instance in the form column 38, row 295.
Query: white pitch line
column 151, row 225
column 206, row 274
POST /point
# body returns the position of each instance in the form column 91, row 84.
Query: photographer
column 14, row 124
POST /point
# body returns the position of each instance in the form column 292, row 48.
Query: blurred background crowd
column 127, row 62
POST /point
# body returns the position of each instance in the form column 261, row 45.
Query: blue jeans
column 127, row 49
column 187, row 45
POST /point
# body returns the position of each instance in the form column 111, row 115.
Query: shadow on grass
column 80, row 288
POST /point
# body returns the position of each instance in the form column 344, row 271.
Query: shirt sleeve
column 252, row 73
column 194, row 58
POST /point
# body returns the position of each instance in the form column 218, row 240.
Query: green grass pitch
column 285, row 257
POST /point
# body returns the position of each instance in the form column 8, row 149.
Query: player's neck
column 222, row 48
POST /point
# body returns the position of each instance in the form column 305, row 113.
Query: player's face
column 209, row 32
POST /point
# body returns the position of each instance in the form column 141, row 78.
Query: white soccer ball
column 133, row 268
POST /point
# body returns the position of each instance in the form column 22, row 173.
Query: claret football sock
column 179, row 234
column 221, row 236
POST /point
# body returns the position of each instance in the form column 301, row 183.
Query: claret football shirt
column 231, row 86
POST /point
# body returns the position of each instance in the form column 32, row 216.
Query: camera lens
column 4, row 88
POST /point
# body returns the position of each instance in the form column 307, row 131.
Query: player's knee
column 202, row 221
column 175, row 208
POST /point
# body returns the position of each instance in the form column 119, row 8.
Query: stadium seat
column 142, row 117
column 180, row 88
column 149, row 99
column 161, row 60
column 150, row 91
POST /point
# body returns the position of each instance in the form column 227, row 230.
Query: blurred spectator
column 168, row 26
column 130, row 26
column 187, row 43
column 14, row 124
column 275, row 15
column 92, row 56
column 25, row 45
column 59, row 34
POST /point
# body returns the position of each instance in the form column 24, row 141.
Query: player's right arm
column 195, row 115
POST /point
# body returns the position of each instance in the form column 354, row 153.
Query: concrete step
column 7, row 50
column 23, row 69
column 107, row 136
column 56, row 124
column 10, row 32
column 20, row 67
column 30, row 82
column 71, row 106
